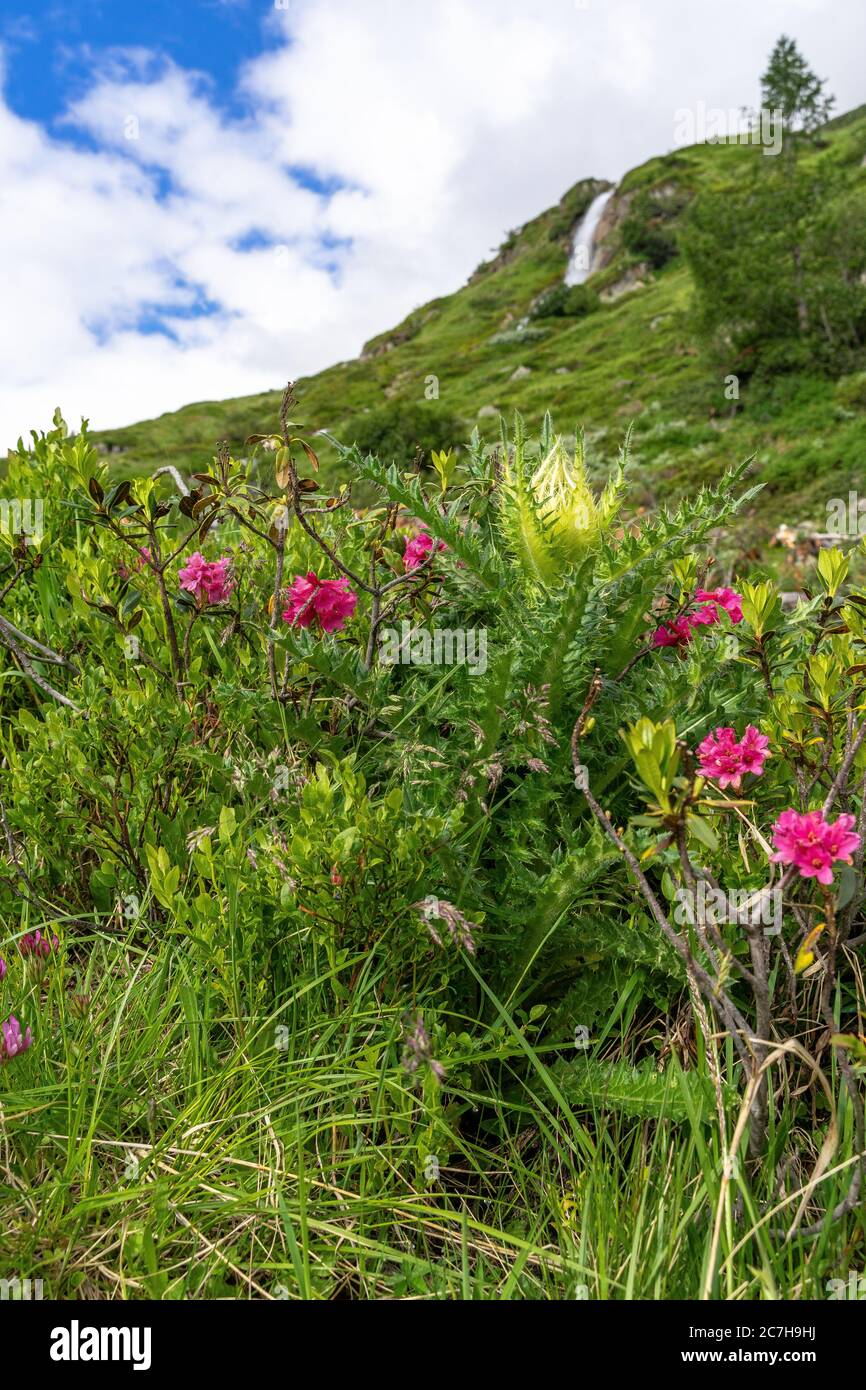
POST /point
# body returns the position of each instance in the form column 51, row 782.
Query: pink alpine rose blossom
column 144, row 558
column 725, row 598
column 218, row 585
column 675, row 633
column 678, row 632
column 13, row 1042
column 753, row 750
column 328, row 603
column 192, row 575
column 813, row 844
column 726, row 760
column 705, row 616
column 208, row 580
column 418, row 549
column 840, row 841
column 300, row 612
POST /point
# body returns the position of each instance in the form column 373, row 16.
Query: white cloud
column 440, row 124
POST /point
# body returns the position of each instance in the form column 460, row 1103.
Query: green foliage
column 790, row 87
column 372, row 917
column 649, row 229
column 397, row 431
column 565, row 302
column 808, row 299
column 358, row 865
column 549, row 518
column 635, row 356
column 642, row 1092
column 330, row 815
column 851, row 391
column 801, row 222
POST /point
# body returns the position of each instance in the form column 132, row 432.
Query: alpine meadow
column 433, row 792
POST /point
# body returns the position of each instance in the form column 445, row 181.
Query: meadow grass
column 166, row 1147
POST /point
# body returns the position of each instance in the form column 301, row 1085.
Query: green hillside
column 635, row 358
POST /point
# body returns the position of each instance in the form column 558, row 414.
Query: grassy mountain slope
column 634, row 359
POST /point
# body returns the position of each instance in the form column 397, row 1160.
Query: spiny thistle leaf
column 642, row 1092
column 408, row 493
column 521, row 521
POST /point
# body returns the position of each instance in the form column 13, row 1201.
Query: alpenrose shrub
column 720, row 819
column 206, row 741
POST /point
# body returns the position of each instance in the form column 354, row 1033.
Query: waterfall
column 582, row 254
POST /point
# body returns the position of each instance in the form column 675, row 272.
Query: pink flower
column 678, row 632
column 726, row 598
column 13, row 1041
column 300, row 612
column 37, row 945
column 726, row 760
column 753, row 750
column 813, row 844
column 144, row 558
column 326, row 602
column 705, row 616
column 418, row 549
column 2, row 968
column 840, row 840
column 192, row 575
column 675, row 633
column 208, row 580
column 217, row 584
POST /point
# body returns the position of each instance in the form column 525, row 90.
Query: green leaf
column 703, row 831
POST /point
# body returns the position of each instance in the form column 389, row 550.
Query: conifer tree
column 791, row 87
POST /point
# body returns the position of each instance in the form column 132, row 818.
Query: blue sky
column 56, row 49
column 46, row 41
column 200, row 199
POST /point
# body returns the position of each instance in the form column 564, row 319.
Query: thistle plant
column 262, row 787
column 548, row 512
